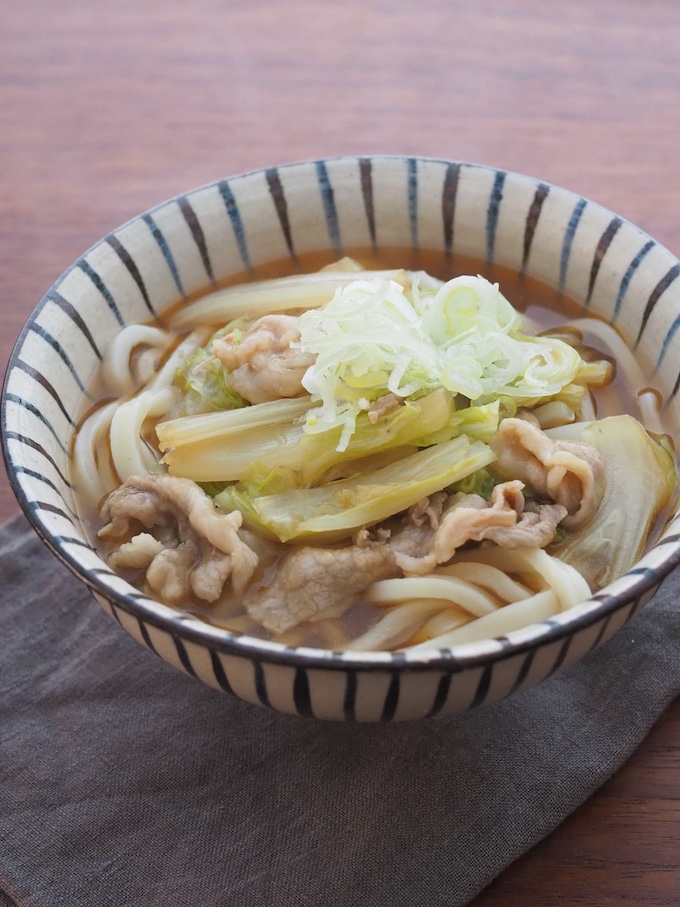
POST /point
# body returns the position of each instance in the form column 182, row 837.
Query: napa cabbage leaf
column 336, row 510
column 641, row 484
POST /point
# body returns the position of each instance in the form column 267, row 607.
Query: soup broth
column 431, row 619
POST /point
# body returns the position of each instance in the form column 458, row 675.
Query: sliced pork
column 569, row 473
column 200, row 548
column 506, row 519
column 312, row 584
column 262, row 365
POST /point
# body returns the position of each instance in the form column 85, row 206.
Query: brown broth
column 527, row 294
column 545, row 306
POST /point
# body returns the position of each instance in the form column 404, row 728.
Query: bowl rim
column 639, row 580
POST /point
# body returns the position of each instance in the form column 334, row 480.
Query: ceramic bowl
column 199, row 239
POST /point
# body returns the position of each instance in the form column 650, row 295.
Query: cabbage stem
column 299, row 292
column 335, row 511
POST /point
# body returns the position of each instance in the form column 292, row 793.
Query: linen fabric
column 124, row 783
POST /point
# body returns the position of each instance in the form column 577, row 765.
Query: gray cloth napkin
column 126, row 783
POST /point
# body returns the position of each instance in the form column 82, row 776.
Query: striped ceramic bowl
column 195, row 241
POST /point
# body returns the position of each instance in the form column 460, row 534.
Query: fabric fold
column 124, row 782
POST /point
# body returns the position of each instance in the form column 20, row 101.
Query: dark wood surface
column 108, row 109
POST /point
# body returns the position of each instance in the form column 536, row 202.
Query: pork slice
column 506, row 520
column 535, row 527
column 388, row 403
column 569, row 473
column 466, row 517
column 136, row 554
column 169, row 573
column 313, row 584
column 263, row 365
column 201, row 547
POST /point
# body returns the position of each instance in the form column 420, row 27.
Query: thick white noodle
column 436, row 604
column 567, row 583
column 555, row 413
column 570, row 432
column 648, row 401
column 626, row 361
column 120, row 424
column 444, row 622
column 131, row 456
column 119, row 375
column 95, row 478
column 448, row 588
column 587, row 413
column 512, row 617
column 146, row 364
column 400, row 624
column 490, row 578
column 179, row 355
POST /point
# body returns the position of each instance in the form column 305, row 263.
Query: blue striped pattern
column 198, row 236
column 349, row 705
column 392, row 697
column 412, row 199
column 483, row 686
column 219, row 673
column 561, row 656
column 329, row 209
column 449, row 195
column 183, row 656
column 131, row 267
column 531, row 223
column 281, row 205
column 236, row 222
column 666, row 281
column 568, row 242
column 41, row 380
column 600, row 251
column 302, row 694
column 72, row 540
column 492, row 213
column 26, row 470
column 523, row 672
column 261, row 689
column 441, row 696
column 87, row 269
column 162, row 243
column 666, row 343
column 628, row 276
column 222, row 659
column 34, row 411
column 61, row 352
column 48, row 507
column 366, row 182
column 671, row 397
column 76, row 318
column 146, row 638
column 41, row 477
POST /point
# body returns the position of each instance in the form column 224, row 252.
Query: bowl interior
column 197, row 241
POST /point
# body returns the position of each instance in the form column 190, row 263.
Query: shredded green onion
column 376, row 337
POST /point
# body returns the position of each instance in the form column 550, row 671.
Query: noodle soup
column 374, row 453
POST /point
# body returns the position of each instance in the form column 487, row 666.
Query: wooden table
column 107, row 109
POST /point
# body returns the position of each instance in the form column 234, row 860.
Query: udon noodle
column 371, row 459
